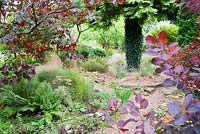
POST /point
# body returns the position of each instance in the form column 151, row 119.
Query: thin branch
column 80, row 31
column 34, row 14
column 42, row 20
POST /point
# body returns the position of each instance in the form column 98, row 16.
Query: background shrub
column 155, row 27
column 88, row 51
column 95, row 64
column 113, row 37
column 171, row 31
column 187, row 28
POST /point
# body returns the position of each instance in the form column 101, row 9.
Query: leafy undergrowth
column 53, row 101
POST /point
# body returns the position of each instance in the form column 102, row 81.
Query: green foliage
column 111, row 38
column 88, row 51
column 99, row 99
column 29, row 96
column 75, row 84
column 95, row 64
column 187, row 28
column 171, row 31
column 123, row 94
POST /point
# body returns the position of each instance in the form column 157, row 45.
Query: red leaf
column 143, row 103
column 121, row 2
column 150, row 40
column 162, row 38
column 124, row 129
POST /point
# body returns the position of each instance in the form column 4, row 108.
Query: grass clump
column 73, row 82
column 146, row 68
column 94, row 65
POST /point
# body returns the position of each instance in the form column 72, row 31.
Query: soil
column 148, row 86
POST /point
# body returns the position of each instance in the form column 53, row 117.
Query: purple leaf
column 165, row 56
column 196, row 129
column 140, row 127
column 168, row 72
column 122, row 110
column 188, row 99
column 178, row 69
column 173, row 108
column 106, row 116
column 143, row 104
column 138, row 98
column 157, row 61
column 196, row 68
column 152, row 52
column 159, row 70
column 194, row 74
column 131, row 120
column 168, row 82
column 194, row 107
column 150, row 115
column 180, row 84
column 148, row 128
column 179, row 119
column 133, row 110
column 167, row 66
column 173, row 44
column 121, row 123
column 134, row 113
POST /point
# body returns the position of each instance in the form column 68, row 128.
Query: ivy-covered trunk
column 133, row 43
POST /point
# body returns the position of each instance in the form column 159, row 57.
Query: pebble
column 98, row 115
column 68, row 127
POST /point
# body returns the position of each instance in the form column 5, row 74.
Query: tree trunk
column 133, row 43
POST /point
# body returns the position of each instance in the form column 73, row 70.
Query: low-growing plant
column 78, row 87
column 98, row 100
column 123, row 94
column 89, row 52
column 94, row 65
column 29, row 96
column 117, row 65
column 146, row 68
column 146, row 124
column 182, row 118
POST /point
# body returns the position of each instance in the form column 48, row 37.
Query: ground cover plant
column 50, row 101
